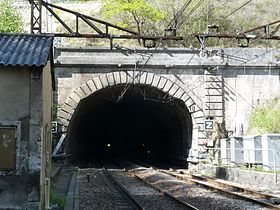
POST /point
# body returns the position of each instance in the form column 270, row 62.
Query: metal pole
column 274, row 165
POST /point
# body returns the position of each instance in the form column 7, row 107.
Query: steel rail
column 165, row 193
column 122, row 190
column 223, row 191
column 235, row 187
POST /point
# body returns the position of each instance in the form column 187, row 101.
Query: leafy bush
column 10, row 19
column 266, row 119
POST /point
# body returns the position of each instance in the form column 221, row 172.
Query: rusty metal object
column 36, row 10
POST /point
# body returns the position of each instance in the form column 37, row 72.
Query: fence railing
column 226, row 157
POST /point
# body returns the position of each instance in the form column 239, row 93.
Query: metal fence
column 248, row 159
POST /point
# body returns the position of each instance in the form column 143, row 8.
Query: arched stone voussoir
column 86, row 89
column 131, row 76
column 117, row 78
column 63, row 122
column 175, row 88
column 179, row 93
column 64, row 115
column 123, row 77
column 169, row 86
column 143, row 77
column 156, row 81
column 92, row 86
column 111, row 79
column 67, row 108
column 97, row 82
column 71, row 102
column 74, row 96
column 104, row 81
column 80, row 92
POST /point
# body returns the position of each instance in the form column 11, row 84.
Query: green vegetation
column 54, row 112
column 266, row 119
column 134, row 14
column 10, row 19
column 55, row 199
column 151, row 17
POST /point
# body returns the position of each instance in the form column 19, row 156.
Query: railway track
column 123, row 190
column 167, row 194
column 99, row 189
column 259, row 198
column 153, row 188
column 124, row 199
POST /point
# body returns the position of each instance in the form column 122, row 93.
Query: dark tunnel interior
column 133, row 121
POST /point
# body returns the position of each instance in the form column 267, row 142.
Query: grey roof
column 24, row 49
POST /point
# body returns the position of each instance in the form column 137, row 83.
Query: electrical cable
column 190, row 13
column 174, row 21
column 243, row 5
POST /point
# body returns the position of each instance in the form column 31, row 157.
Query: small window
column 7, row 148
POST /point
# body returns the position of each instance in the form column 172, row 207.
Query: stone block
column 150, row 77
column 185, row 97
column 64, row 115
column 68, row 109
column 143, row 77
column 110, row 79
column 162, row 82
column 130, row 75
column 80, row 93
column 179, row 93
column 97, row 83
column 75, row 97
column 116, row 77
column 174, row 89
column 168, row 86
column 86, row 89
column 156, row 81
column 104, row 81
column 91, row 85
column 71, row 103
column 123, row 77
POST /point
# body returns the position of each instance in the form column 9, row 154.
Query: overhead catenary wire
column 189, row 14
column 237, row 9
column 174, row 21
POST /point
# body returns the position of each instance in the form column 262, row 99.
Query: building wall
column 25, row 101
column 14, row 103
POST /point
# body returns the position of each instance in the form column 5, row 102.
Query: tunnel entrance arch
column 129, row 112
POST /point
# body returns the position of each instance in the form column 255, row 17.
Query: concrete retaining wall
column 250, row 178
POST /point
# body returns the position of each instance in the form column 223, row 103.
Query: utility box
column 252, row 149
column 271, row 151
column 236, row 150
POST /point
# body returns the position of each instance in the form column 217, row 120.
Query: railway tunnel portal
column 163, row 96
column 128, row 113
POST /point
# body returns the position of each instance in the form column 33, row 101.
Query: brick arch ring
column 166, row 85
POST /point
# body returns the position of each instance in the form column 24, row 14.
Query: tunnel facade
column 129, row 114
